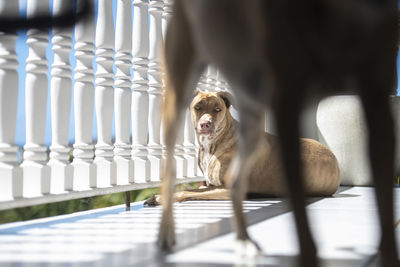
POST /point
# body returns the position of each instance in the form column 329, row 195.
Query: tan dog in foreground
column 216, row 132
column 279, row 54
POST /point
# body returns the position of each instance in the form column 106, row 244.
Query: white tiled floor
column 344, row 227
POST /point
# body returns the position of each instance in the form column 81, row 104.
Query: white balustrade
column 36, row 172
column 85, row 172
column 105, row 167
column 104, row 94
column 61, row 90
column 140, row 97
column 155, row 84
column 10, row 172
column 123, row 96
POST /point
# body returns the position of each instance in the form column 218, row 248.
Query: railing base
column 36, row 179
column 142, row 170
column 106, row 171
column 85, row 174
column 11, row 181
column 125, row 171
column 61, row 176
column 89, row 192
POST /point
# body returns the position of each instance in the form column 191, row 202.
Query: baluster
column 61, row 86
column 104, row 93
column 189, row 146
column 154, row 120
column 140, row 97
column 36, row 174
column 162, row 141
column 167, row 13
column 179, row 156
column 218, row 82
column 10, row 172
column 197, row 147
column 221, row 82
column 85, row 172
column 211, row 78
column 181, row 163
column 166, row 16
column 123, row 96
column 224, row 84
column 202, row 84
column 180, row 159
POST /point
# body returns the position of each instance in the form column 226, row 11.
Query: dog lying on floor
column 280, row 54
column 216, row 133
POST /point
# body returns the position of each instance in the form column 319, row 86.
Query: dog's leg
column 287, row 107
column 182, row 74
column 250, row 133
column 381, row 150
column 209, row 193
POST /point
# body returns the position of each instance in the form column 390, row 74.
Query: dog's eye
column 218, row 110
column 197, row 108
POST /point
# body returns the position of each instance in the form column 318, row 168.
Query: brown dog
column 279, row 54
column 216, row 134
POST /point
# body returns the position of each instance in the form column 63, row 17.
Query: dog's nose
column 205, row 125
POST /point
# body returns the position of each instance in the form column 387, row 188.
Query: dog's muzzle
column 204, row 126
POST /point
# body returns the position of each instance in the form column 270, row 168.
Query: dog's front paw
column 153, row 201
column 247, row 249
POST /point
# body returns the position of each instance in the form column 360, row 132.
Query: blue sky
column 22, row 52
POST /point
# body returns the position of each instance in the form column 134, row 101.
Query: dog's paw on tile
column 166, row 236
column 247, row 249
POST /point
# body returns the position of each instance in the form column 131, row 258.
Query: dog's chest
column 208, row 162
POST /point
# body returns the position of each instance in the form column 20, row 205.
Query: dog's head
column 209, row 111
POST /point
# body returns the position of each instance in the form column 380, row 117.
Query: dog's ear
column 226, row 97
column 195, row 93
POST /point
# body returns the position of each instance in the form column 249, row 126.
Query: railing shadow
column 115, row 237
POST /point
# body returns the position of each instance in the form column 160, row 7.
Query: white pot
column 341, row 126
